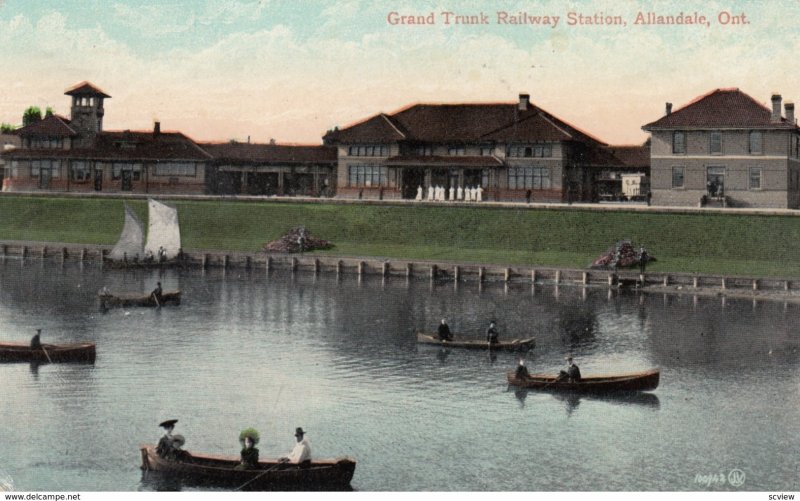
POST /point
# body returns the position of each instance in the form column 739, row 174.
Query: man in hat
column 444, row 331
column 165, row 445
column 572, row 374
column 301, row 454
column 36, row 342
column 492, row 336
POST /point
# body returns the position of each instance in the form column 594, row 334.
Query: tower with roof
column 86, row 112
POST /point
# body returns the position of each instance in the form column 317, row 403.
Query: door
column 45, row 174
column 98, row 180
column 412, row 180
column 127, row 180
column 715, row 181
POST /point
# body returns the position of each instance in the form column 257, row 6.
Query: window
column 423, row 151
column 80, row 171
column 118, row 168
column 367, row 175
column 678, row 142
column 46, row 143
column 456, row 151
column 39, row 166
column 185, row 169
column 522, row 178
column 677, row 177
column 487, row 151
column 485, row 178
column 755, row 144
column 531, row 151
column 715, row 143
column 368, row 150
column 755, row 178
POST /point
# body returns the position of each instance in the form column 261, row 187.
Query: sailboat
column 163, row 245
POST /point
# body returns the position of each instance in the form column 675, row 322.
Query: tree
column 6, row 128
column 32, row 115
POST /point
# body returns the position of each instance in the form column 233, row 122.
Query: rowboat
column 22, row 352
column 511, row 344
column 637, row 381
column 108, row 300
column 212, row 470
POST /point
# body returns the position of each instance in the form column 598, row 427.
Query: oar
column 280, row 462
column 156, row 298
column 47, row 355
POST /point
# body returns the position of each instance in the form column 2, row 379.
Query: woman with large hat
column 248, row 438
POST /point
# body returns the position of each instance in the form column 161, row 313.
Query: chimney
column 789, row 107
column 156, row 129
column 776, row 108
column 524, row 101
column 669, row 108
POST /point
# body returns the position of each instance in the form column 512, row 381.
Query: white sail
column 131, row 240
column 163, row 231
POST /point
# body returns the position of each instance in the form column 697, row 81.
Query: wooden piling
column 339, row 267
column 695, row 281
column 433, row 271
column 533, row 276
column 585, row 279
column 724, row 283
column 507, row 275
column 456, row 273
column 204, row 262
column 361, row 266
column 5, row 250
column 44, row 252
column 409, row 270
column 24, row 251
column 786, row 285
column 481, row 274
column 755, row 284
column 316, row 265
column 385, row 269
column 248, row 262
column 558, row 277
column 294, row 264
column 268, row 264
column 83, row 255
column 63, row 254
column 666, row 280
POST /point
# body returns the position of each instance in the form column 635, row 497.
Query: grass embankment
column 703, row 243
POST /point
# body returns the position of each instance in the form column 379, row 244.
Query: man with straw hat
column 301, row 454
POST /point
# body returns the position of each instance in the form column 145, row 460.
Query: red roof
column 633, row 156
column 462, row 123
column 271, row 153
column 85, row 89
column 720, row 108
column 127, row 146
column 51, row 125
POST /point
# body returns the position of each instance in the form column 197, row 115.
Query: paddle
column 156, row 298
column 280, row 462
column 47, row 355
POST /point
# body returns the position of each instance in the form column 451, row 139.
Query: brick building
column 726, row 149
column 76, row 154
column 513, row 151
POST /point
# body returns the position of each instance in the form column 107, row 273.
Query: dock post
column 268, row 265
column 247, row 262
column 409, row 270
column 63, row 254
column 533, row 276
column 24, row 251
column 433, row 271
column 456, row 273
column 786, row 286
column 755, row 284
column 316, row 265
column 44, row 252
column 361, row 266
column 558, row 277
column 225, row 260
column 724, row 283
column 507, row 274
column 695, row 280
column 294, row 264
column 339, row 266
column 481, row 274
column 204, row 263
column 5, row 250
column 610, row 279
column 385, row 269
column 585, row 278
column 666, row 280
column 83, row 255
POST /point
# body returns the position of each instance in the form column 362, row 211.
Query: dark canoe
column 638, row 381
column 209, row 470
column 22, row 352
column 511, row 344
column 167, row 298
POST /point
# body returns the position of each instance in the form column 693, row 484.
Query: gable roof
column 462, row 123
column 635, row 156
column 85, row 89
column 271, row 153
column 51, row 125
column 720, row 108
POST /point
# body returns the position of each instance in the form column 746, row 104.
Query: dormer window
column 679, row 143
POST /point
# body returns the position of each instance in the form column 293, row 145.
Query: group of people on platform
column 440, row 193
column 169, row 447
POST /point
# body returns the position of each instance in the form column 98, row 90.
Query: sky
column 290, row 70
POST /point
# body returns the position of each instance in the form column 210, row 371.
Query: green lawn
column 706, row 243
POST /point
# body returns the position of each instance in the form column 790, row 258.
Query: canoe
column 22, row 352
column 167, row 298
column 511, row 344
column 220, row 471
column 636, row 381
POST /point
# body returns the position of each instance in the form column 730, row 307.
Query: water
column 339, row 358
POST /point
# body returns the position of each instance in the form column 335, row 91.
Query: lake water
column 339, row 358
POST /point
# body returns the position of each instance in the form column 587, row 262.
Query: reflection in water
column 572, row 400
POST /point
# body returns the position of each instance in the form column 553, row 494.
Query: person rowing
column 492, row 336
column 36, row 341
column 165, row 444
column 157, row 292
column 444, row 331
column 522, row 371
column 572, row 374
